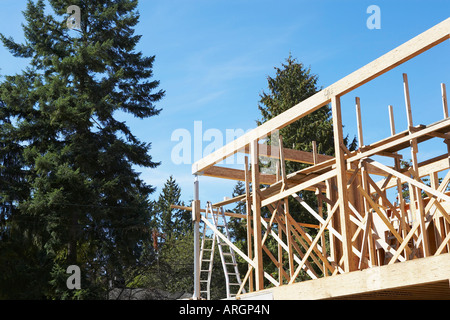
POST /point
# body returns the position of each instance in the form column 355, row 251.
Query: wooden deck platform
column 418, row 279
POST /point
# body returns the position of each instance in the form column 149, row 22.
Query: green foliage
column 292, row 84
column 171, row 221
column 170, row 264
column 72, row 194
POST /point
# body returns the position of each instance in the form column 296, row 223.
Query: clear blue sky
column 213, row 58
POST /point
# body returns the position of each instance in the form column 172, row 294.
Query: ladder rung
column 231, row 263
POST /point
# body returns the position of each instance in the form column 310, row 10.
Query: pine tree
column 292, row 84
column 238, row 226
column 171, row 222
column 89, row 205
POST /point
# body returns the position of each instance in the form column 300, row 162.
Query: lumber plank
column 256, row 210
column 341, row 175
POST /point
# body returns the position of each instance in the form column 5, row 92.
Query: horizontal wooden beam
column 286, row 193
column 239, row 175
column 388, row 61
column 289, row 154
column 402, row 139
column 236, row 174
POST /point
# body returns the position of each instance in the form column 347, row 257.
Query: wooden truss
column 365, row 229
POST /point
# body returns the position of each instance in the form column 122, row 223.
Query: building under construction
column 376, row 247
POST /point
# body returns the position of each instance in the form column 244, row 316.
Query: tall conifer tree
column 292, row 84
column 89, row 205
column 172, row 222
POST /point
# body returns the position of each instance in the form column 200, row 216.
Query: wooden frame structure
column 365, row 229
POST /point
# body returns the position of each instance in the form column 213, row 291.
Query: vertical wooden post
column 391, row 119
column 334, row 242
column 358, row 122
column 438, row 234
column 367, row 244
column 280, row 256
column 319, row 209
column 416, row 191
column 259, row 271
column 248, row 207
column 289, row 239
column 407, row 100
column 397, row 166
column 196, row 222
column 286, row 209
column 282, row 163
column 344, row 212
column 444, row 100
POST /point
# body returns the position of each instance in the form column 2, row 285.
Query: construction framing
column 366, row 230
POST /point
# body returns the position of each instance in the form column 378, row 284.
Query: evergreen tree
column 238, row 226
column 87, row 204
column 292, row 84
column 171, row 221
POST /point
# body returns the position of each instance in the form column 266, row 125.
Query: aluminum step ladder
column 206, row 258
column 227, row 254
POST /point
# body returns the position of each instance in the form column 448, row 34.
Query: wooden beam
column 256, row 209
column 358, row 122
column 236, row 174
column 399, row 139
column 391, row 119
column 239, row 175
column 302, row 186
column 444, row 100
column 227, row 213
column 248, row 209
column 390, row 60
column 415, row 193
column 341, row 175
column 289, row 154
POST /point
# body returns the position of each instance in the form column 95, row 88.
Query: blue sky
column 213, row 58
